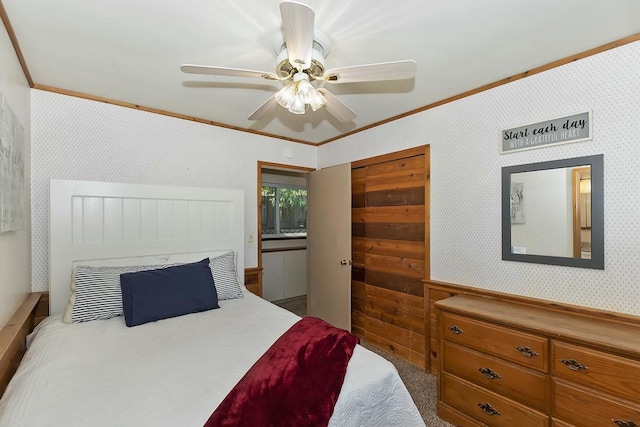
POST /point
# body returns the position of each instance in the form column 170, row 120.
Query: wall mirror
column 553, row 212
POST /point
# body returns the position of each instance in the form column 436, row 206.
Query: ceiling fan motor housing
column 321, row 49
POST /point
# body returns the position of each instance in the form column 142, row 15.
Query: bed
column 171, row 372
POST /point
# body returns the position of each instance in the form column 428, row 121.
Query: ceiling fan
column 301, row 52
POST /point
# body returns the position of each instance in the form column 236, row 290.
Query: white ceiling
column 131, row 50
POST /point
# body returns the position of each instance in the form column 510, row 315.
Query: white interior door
column 329, row 245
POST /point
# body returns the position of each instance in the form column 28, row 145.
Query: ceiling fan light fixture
column 299, row 93
column 286, row 95
column 297, row 105
column 307, row 91
column 317, row 102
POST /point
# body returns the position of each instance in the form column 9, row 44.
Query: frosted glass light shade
column 297, row 105
column 286, row 95
column 307, row 91
column 298, row 94
column 317, row 102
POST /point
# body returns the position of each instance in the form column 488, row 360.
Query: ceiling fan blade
column 297, row 24
column 226, row 71
column 397, row 70
column 337, row 108
column 265, row 108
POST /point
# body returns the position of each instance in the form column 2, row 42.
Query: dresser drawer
column 602, row 371
column 513, row 381
column 520, row 347
column 488, row 407
column 583, row 407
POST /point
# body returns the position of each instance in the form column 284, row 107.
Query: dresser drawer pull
column 488, row 409
column 574, row 365
column 455, row 329
column 627, row 423
column 489, row 374
column 527, row 352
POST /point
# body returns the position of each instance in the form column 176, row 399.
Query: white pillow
column 225, row 276
column 96, row 293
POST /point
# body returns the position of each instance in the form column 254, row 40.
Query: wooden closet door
column 390, row 252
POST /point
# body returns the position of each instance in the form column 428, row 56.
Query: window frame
column 278, row 234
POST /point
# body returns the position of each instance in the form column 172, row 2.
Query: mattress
column 176, row 371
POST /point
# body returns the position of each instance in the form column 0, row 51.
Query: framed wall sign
column 560, row 130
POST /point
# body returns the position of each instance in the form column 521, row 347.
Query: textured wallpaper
column 79, row 139
column 466, row 170
column 74, row 138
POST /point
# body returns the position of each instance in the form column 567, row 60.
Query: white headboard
column 99, row 222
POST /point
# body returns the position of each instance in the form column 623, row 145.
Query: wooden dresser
column 509, row 364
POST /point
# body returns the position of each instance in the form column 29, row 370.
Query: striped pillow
column 225, row 276
column 96, row 293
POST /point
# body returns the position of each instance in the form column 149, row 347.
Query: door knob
column 346, row 262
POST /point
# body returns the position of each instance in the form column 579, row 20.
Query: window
column 284, row 210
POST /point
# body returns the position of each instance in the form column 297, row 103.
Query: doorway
column 389, row 241
column 281, row 193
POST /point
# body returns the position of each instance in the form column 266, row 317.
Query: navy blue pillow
column 152, row 295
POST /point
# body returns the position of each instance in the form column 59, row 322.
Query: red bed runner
column 295, row 383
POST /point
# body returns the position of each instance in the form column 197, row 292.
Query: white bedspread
column 176, row 371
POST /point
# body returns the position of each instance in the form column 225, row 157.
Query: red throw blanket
column 295, row 383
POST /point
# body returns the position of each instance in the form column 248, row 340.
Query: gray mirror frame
column 597, row 209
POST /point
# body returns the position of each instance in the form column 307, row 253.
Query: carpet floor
column 421, row 385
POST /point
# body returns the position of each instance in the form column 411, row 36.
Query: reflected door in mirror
column 581, row 180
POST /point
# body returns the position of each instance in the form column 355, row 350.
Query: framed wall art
column 12, row 209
